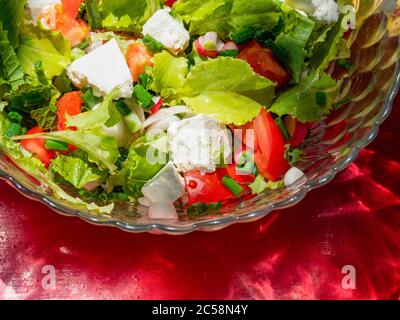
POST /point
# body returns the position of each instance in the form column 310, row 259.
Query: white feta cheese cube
column 40, row 7
column 166, row 187
column 199, row 143
column 166, row 30
column 103, row 69
column 325, row 10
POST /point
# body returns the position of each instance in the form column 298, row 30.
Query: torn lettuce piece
column 260, row 185
column 301, row 102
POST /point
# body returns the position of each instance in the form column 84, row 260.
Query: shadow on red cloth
column 291, row 254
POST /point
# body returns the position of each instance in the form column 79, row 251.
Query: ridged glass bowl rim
column 226, row 220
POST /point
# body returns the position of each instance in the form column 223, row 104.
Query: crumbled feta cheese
column 103, row 69
column 325, row 10
column 166, row 30
column 199, row 143
column 293, row 175
column 40, row 7
column 166, row 187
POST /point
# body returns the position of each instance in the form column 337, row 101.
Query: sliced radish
column 229, row 46
column 158, row 102
column 203, row 52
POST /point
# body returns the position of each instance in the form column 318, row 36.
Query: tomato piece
column 247, row 135
column 71, row 104
column 36, row 146
column 203, row 52
column 138, row 58
column 297, row 130
column 270, row 156
column 170, row 3
column 206, row 187
column 241, row 178
column 264, row 62
column 72, row 29
column 71, row 7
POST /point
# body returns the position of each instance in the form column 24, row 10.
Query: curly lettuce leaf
column 168, row 73
column 301, row 101
column 74, row 170
column 11, row 15
column 10, row 68
column 101, row 149
column 51, row 48
column 226, row 16
column 127, row 15
column 226, row 89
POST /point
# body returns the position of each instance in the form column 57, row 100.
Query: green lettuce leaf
column 74, row 170
column 169, row 73
column 45, row 117
column 127, row 15
column 260, row 185
column 10, row 68
column 51, row 48
column 11, row 15
column 101, row 149
column 226, row 16
column 138, row 169
column 301, row 101
column 226, row 89
column 226, row 107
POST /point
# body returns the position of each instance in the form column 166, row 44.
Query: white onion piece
column 293, row 175
column 90, row 186
column 164, row 123
column 162, row 211
column 164, row 113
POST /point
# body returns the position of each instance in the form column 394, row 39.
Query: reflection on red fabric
column 296, row 253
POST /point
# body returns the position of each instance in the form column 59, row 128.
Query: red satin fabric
column 291, row 254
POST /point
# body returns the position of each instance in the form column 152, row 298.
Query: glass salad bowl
column 370, row 86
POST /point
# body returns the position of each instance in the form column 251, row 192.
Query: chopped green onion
column 214, row 206
column 229, row 53
column 197, row 209
column 40, row 72
column 56, row 145
column 144, row 80
column 282, row 127
column 143, row 97
column 246, row 164
column 344, row 63
column 90, row 99
column 13, row 129
column 322, row 98
column 244, row 35
column 152, row 44
column 123, row 108
column 232, row 185
column 93, row 13
column 340, row 103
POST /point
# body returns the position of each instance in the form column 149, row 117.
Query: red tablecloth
column 296, row 253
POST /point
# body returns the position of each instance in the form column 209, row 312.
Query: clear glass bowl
column 371, row 85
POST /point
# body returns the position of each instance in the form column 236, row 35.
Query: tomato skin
column 138, row 58
column 270, row 156
column 204, row 53
column 264, row 62
column 241, row 178
column 36, row 146
column 297, row 130
column 170, row 3
column 71, row 7
column 206, row 187
column 71, row 103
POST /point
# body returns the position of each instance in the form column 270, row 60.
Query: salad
column 181, row 106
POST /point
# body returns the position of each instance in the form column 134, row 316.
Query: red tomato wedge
column 270, row 156
column 71, row 7
column 206, row 187
column 72, row 29
column 36, row 146
column 71, row 104
column 241, row 178
column 264, row 62
column 138, row 58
